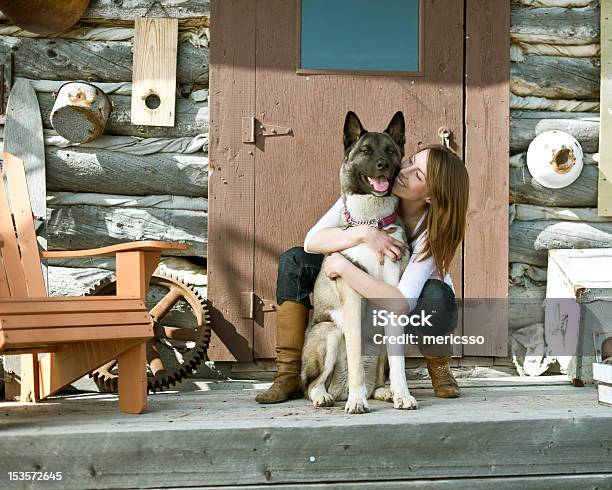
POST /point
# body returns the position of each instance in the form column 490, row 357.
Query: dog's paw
column 383, row 393
column 404, row 402
column 323, row 400
column 402, row 399
column 357, row 402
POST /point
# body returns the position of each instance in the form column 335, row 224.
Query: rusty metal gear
column 187, row 345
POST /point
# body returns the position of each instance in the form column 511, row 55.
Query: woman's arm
column 327, row 237
column 377, row 291
column 409, row 288
column 329, row 240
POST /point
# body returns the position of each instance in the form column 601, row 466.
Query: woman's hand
column 334, row 265
column 383, row 244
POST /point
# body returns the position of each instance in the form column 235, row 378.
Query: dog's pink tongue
column 380, row 184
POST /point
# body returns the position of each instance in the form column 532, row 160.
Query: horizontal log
column 191, row 118
column 112, row 200
column 526, row 125
column 526, row 306
column 100, row 61
column 131, row 144
column 556, row 3
column 198, row 36
column 195, row 12
column 520, row 159
column 191, row 12
column 519, row 273
column 519, row 50
column 528, row 212
column 555, row 25
column 531, row 240
column 67, row 281
column 110, row 172
column 581, row 193
column 83, row 227
column 179, row 267
column 556, row 77
column 544, row 104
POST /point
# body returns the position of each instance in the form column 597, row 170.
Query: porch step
column 495, row 434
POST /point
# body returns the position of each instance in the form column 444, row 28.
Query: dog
column 335, row 364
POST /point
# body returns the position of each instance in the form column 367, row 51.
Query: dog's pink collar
column 374, row 222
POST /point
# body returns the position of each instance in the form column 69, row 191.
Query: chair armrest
column 143, row 246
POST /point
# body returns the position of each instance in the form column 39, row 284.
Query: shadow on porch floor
column 499, row 430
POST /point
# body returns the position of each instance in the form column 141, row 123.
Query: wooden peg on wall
column 154, row 71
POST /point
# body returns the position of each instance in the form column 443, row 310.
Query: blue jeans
column 298, row 271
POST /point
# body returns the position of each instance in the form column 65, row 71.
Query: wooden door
column 267, row 191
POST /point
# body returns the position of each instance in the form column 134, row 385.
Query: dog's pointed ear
column 397, row 130
column 352, row 129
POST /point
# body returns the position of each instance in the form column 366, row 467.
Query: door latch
column 251, row 128
column 251, row 304
column 445, row 135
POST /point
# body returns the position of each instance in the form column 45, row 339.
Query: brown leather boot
column 442, row 379
column 291, row 322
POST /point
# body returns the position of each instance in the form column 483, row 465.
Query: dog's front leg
column 402, row 399
column 357, row 401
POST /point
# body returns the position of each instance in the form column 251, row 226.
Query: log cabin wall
column 134, row 182
column 121, row 187
column 555, row 75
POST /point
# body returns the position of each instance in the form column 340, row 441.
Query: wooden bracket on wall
column 154, row 71
column 604, row 193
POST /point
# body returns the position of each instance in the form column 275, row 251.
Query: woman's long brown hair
column 448, row 183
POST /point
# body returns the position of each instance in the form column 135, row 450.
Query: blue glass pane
column 360, row 35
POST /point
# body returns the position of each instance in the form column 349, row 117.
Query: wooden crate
column 602, row 374
column 578, row 306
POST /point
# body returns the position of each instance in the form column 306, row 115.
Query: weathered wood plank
column 519, row 272
column 189, row 12
column 191, row 118
column 290, row 442
column 180, row 267
column 528, row 212
column 556, row 3
column 604, row 199
column 81, row 169
column 113, row 200
column 555, row 25
column 100, row 61
column 193, row 12
column 526, row 125
column 155, row 41
column 84, row 227
column 519, row 50
column 525, row 306
column 581, row 193
column 485, row 254
column 541, row 482
column 133, row 145
column 231, row 265
column 544, row 104
column 531, row 240
column 556, row 77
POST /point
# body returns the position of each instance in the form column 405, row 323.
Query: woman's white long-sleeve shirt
column 417, row 272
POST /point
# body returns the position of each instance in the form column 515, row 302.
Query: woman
column 433, row 188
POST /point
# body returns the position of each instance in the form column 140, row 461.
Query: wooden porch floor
column 502, row 433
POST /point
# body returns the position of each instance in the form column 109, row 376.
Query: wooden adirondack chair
column 79, row 333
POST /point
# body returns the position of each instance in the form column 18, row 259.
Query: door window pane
column 360, row 35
